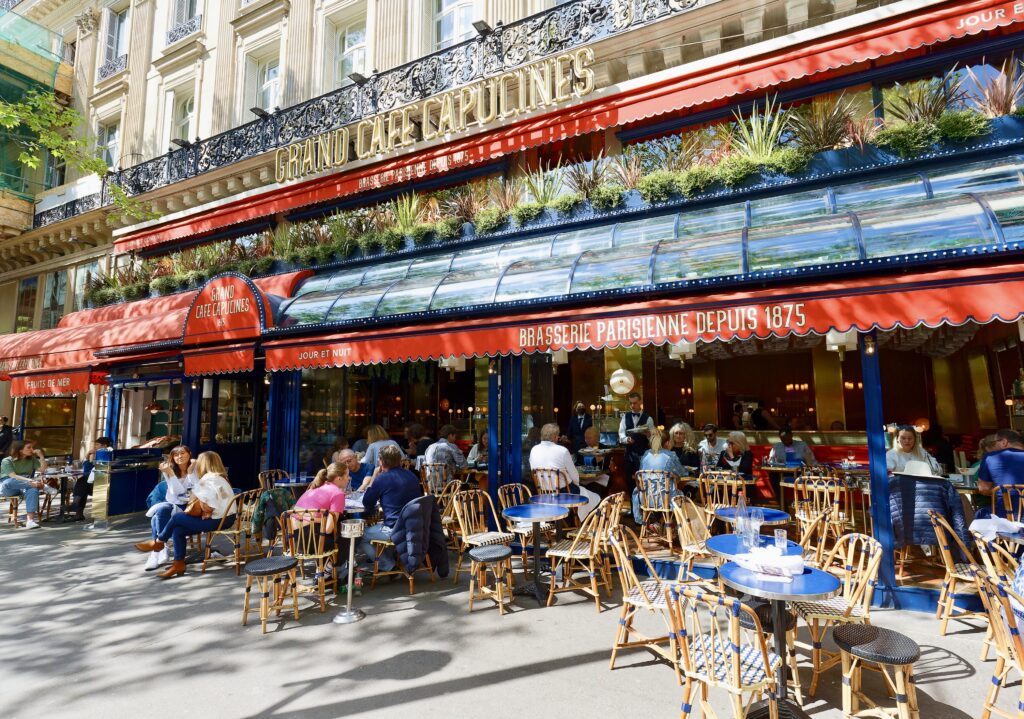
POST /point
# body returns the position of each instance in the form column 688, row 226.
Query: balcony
column 112, row 67
column 182, row 30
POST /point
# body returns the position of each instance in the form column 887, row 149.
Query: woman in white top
column 179, row 477
column 212, row 496
column 908, row 447
column 478, row 452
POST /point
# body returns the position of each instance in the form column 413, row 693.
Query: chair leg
column 245, row 601
column 206, row 554
column 551, row 584
column 499, row 583
column 817, row 632
column 622, row 632
column 295, row 592
column 902, row 696
column 593, row 585
column 686, row 708
column 264, row 586
column 847, row 685
column 942, row 597
column 794, row 668
column 473, row 578
column 947, row 606
column 993, row 688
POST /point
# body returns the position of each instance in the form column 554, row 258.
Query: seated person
column 327, row 490
column 915, row 490
column 212, row 497
column 684, row 446
column 1003, row 465
column 548, row 454
column 392, row 488
column 83, row 485
column 359, row 475
column 417, row 440
column 170, row 496
column 737, row 456
column 340, row 444
column 478, row 452
column 659, row 457
column 908, row 449
column 791, row 450
column 596, row 481
column 445, row 451
column 17, row 477
column 377, row 437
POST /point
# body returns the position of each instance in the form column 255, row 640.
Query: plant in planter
column 421, row 232
column 823, row 124
column 164, row 285
column 697, row 179
column 489, row 219
column 566, row 204
column 909, row 139
column 406, row 211
column 998, row 94
column 526, row 212
column 962, row 125
column 462, row 203
column 369, row 242
column 913, row 111
column 503, row 194
column 759, row 135
column 544, row 185
column 448, row 228
column 282, row 243
column 391, row 239
column 102, row 289
column 658, row 186
column 628, row 168
column 607, row 197
column 735, row 169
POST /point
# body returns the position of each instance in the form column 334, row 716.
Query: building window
column 181, row 121
column 267, row 83
column 56, row 171
column 184, row 10
column 453, row 22
column 107, row 136
column 185, row 20
column 117, row 35
column 350, row 50
column 55, row 295
column 83, row 274
column 28, row 288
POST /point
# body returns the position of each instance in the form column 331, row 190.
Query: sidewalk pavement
column 87, row 633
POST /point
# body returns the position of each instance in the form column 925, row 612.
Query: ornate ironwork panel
column 183, row 30
column 112, row 67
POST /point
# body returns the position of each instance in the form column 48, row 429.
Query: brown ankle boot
column 177, row 567
column 154, row 545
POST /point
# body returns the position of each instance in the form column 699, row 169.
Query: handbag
column 194, row 508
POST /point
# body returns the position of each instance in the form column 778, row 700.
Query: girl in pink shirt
column 327, row 491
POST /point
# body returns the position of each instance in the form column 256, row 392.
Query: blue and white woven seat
column 834, row 609
column 704, row 649
column 564, row 548
column 483, row 538
column 650, row 593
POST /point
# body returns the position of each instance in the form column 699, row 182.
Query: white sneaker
column 52, row 491
column 164, row 556
column 153, row 561
column 31, row 524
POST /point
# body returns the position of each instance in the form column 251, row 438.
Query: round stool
column 499, row 558
column 12, row 509
column 262, row 570
column 764, row 613
column 860, row 643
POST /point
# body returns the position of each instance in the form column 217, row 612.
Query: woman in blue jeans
column 17, row 473
column 169, row 497
column 212, row 497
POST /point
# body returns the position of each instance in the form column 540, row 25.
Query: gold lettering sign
column 542, row 84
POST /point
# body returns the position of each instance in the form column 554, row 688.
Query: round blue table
column 729, row 545
column 536, row 514
column 772, row 517
column 561, row 500
column 813, row 585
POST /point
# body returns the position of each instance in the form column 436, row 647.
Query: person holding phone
column 17, row 477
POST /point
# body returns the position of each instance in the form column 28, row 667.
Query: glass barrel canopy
column 573, row 243
column 307, row 309
column 535, row 248
column 465, row 289
column 1008, row 208
column 357, row 303
column 712, row 219
column 408, row 296
column 642, row 232
column 612, row 269
column 988, row 176
column 435, row 266
column 386, row 272
column 832, row 238
column 940, row 224
column 717, row 255
column 788, row 208
column 879, row 193
column 532, row 279
column 478, row 259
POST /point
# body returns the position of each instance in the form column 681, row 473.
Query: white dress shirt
column 548, row 455
column 636, row 423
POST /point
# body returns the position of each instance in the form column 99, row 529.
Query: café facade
column 867, row 291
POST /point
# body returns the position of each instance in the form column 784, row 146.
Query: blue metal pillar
column 192, row 396
column 885, row 594
column 493, row 429
column 113, row 421
column 515, row 430
column 283, row 421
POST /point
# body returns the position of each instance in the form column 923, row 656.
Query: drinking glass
column 780, row 540
column 755, row 518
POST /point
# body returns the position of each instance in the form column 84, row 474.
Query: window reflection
column 618, row 268
column 926, row 226
column 529, row 280
column 806, row 243
column 689, row 259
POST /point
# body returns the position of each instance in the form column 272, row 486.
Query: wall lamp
column 259, row 112
column 482, row 28
column 358, row 78
column 183, row 144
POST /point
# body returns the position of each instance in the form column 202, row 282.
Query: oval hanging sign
column 228, row 307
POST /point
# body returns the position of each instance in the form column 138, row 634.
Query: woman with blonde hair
column 907, row 447
column 737, row 455
column 377, row 437
column 170, row 496
column 684, row 445
column 327, row 490
column 661, row 458
column 211, row 498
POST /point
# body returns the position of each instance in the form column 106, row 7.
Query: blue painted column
column 875, row 417
column 283, row 421
column 192, row 393
column 515, row 420
column 494, row 454
column 113, row 421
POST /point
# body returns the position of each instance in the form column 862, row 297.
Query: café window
column 183, row 114
column 83, row 274
column 50, row 422
column 226, row 414
column 107, row 142
column 153, row 416
column 266, row 74
column 24, row 314
column 453, row 22
column 349, row 50
column 55, row 293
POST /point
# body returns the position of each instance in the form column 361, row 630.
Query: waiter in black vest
column 636, row 442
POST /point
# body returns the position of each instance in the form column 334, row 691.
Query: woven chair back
column 434, row 477
column 816, row 471
column 690, row 521
column 947, row 539
column 472, row 508
column 1003, row 617
column 998, row 561
column 656, row 487
column 813, row 529
column 822, row 493
column 720, row 489
column 444, row 499
column 549, row 480
column 1011, row 498
column 613, row 504
column 627, row 546
column 271, row 477
column 513, row 495
column 707, row 625
column 855, row 559
column 306, row 532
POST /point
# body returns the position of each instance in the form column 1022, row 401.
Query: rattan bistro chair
column 957, row 572
column 855, row 559
column 446, row 506
column 13, row 504
column 657, row 488
column 245, row 545
column 814, row 494
column 270, row 477
column 550, row 480
column 692, row 526
column 713, row 653
column 1002, row 604
column 1011, row 498
column 513, row 495
column 473, row 507
column 306, row 533
column 584, row 553
column 813, row 533
column 718, row 490
column 434, row 477
column 999, row 562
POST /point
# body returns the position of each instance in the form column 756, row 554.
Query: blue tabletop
column 814, row 585
column 562, row 500
column 771, row 516
column 729, row 545
column 535, row 513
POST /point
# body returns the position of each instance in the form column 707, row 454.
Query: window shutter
column 111, row 49
column 180, row 12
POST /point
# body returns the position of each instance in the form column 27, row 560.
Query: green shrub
column 909, row 139
column 448, row 229
column 567, row 204
column 391, row 239
column 164, row 285
column 324, row 253
column 734, row 169
column 697, row 179
column 962, row 125
column 309, row 256
column 262, row 265
column 526, row 211
column 607, row 197
column 789, row 161
column 194, row 278
column 420, row 233
column 106, row 296
column 344, row 247
column 659, row 186
column 135, row 291
column 369, row 242
column 489, row 219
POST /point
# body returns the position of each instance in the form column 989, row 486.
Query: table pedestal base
column 537, row 590
column 787, row 710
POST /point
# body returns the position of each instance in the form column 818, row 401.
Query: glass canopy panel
column 437, row 266
column 307, row 309
column 712, row 219
column 989, row 176
column 779, row 247
column 645, row 231
column 537, row 248
column 925, row 226
column 464, row 289
column 789, row 208
column 412, row 295
column 357, row 303
column 332, row 281
column 1008, row 207
column 479, row 259
column 387, row 272
column 612, row 269
column 573, row 243
column 718, row 255
column 864, row 195
column 535, row 278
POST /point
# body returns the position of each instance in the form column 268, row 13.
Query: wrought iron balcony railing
column 112, row 67
column 184, row 29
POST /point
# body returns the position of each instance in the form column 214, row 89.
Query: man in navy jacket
column 393, row 488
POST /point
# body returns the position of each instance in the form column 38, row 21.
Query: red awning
column 949, row 297
column 56, row 384
column 707, row 83
column 223, row 360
